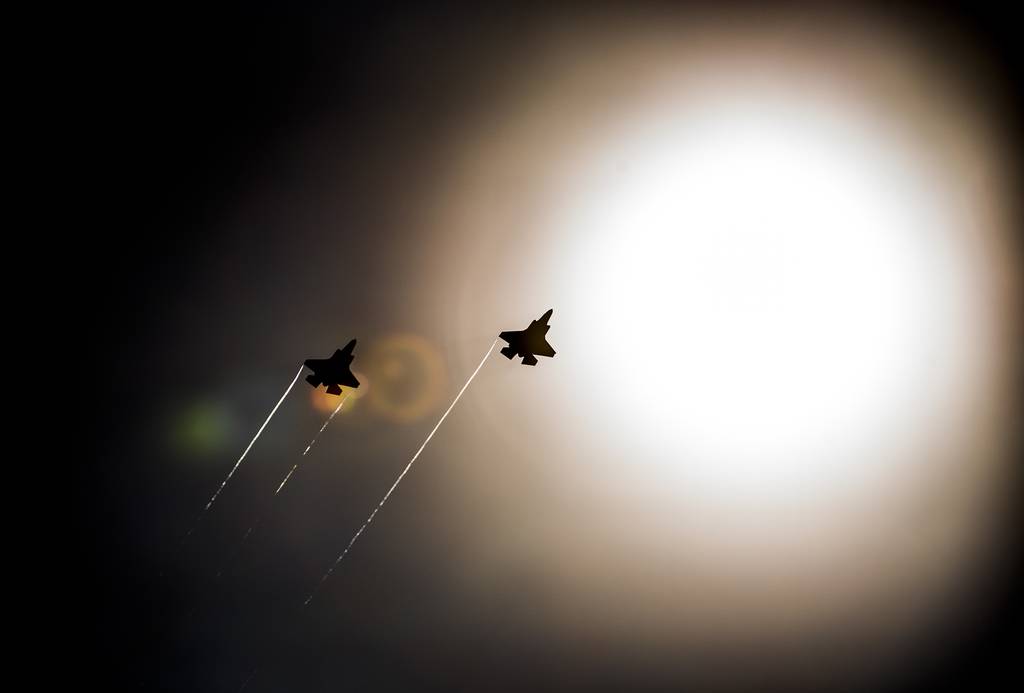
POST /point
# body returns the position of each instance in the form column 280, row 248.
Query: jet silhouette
column 529, row 343
column 333, row 372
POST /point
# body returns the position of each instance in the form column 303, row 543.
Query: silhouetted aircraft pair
column 336, row 371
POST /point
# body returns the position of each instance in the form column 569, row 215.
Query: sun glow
column 787, row 268
column 781, row 265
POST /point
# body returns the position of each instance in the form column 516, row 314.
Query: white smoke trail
column 336, row 410
column 285, row 481
column 251, row 442
column 400, row 476
column 286, row 478
column 296, row 465
column 281, row 485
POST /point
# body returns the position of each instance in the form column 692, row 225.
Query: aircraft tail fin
column 313, row 380
column 508, row 352
column 333, row 390
column 529, row 360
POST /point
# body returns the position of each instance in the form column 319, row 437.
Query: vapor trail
column 400, row 476
column 336, row 410
column 283, row 482
column 286, row 478
column 296, row 465
column 251, row 442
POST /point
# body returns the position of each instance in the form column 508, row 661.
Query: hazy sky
column 772, row 450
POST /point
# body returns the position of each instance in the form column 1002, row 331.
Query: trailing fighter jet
column 529, row 343
column 333, row 372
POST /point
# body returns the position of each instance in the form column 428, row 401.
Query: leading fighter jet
column 529, row 343
column 333, row 372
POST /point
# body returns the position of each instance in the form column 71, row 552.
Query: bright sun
column 786, row 268
column 782, row 273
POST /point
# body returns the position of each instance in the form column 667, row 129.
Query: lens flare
column 409, row 377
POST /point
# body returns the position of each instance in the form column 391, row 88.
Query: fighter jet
column 333, row 372
column 529, row 343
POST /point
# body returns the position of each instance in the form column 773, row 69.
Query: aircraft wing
column 346, row 352
column 545, row 350
column 509, row 336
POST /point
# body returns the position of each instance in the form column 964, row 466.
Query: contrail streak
column 283, row 482
column 400, row 476
column 251, row 442
column 296, row 465
column 255, row 437
column 286, row 478
column 336, row 410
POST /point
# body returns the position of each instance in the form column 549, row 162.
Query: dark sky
column 259, row 170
